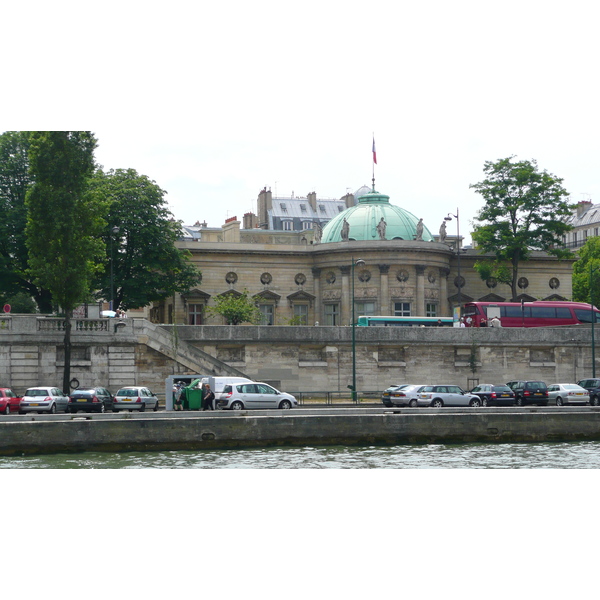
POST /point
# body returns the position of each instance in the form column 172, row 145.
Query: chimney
column 583, row 206
column 312, row 200
column 231, row 230
column 250, row 221
column 264, row 204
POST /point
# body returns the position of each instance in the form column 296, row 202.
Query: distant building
column 585, row 222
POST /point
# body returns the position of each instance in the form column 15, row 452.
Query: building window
column 303, row 207
column 287, row 225
column 341, row 208
column 595, row 231
column 301, row 314
column 306, row 225
column 431, row 310
column 195, row 314
column 366, row 309
column 332, row 314
column 402, row 309
column 321, row 208
column 267, row 312
column 283, row 207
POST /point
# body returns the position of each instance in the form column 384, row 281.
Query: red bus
column 541, row 313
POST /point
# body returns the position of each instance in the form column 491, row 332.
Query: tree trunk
column 66, row 386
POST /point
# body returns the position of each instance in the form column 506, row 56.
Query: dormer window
column 340, row 208
column 283, row 207
column 303, row 207
column 321, row 208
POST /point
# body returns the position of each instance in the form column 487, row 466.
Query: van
column 218, row 383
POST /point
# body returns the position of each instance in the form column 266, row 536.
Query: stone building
column 585, row 222
column 302, row 274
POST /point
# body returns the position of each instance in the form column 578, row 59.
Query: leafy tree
column 235, row 308
column 140, row 236
column 15, row 180
column 524, row 210
column 586, row 267
column 64, row 221
column 21, row 303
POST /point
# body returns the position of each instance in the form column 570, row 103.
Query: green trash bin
column 193, row 396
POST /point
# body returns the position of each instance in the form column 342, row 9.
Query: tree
column 524, row 210
column 64, row 221
column 15, row 180
column 140, row 236
column 586, row 267
column 236, row 308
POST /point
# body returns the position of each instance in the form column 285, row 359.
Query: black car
column 96, row 399
column 529, row 392
column 592, row 385
column 494, row 395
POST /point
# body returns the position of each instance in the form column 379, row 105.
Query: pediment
column 556, row 297
column 492, row 298
column 267, row 295
column 463, row 298
column 195, row 294
column 524, row 298
column 301, row 296
column 231, row 293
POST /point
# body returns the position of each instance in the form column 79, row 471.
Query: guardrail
column 331, row 398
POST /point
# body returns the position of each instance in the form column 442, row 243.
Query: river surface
column 571, row 455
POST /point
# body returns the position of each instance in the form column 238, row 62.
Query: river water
column 571, row 455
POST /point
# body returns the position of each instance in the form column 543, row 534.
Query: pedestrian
column 462, row 322
column 177, row 396
column 207, row 398
column 483, row 322
column 495, row 322
column 439, row 323
column 469, row 321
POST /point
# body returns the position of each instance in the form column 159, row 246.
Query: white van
column 218, row 383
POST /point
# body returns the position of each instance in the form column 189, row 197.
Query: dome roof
column 364, row 217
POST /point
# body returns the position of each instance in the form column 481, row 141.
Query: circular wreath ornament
column 402, row 275
column 364, row 275
column 554, row 283
column 491, row 282
column 330, row 278
column 523, row 282
column 300, row 279
column 459, row 282
column 266, row 278
column 231, row 277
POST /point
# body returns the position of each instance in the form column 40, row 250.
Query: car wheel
column 437, row 403
column 52, row 410
column 102, row 408
column 156, row 407
column 559, row 401
column 475, row 403
column 237, row 405
column 594, row 401
column 413, row 403
column 285, row 404
column 142, row 407
column 484, row 402
column 7, row 409
column 519, row 401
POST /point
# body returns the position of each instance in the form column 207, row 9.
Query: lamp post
column 114, row 232
column 592, row 269
column 449, row 218
column 358, row 261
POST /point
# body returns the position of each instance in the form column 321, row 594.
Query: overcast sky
column 216, row 100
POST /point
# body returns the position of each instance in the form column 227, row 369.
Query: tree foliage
column 140, row 236
column 235, row 308
column 64, row 221
column 585, row 269
column 524, row 210
column 15, row 180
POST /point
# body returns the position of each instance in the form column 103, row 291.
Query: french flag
column 374, row 153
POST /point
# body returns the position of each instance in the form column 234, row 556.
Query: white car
column 134, row 398
column 403, row 395
column 568, row 393
column 446, row 395
column 254, row 395
column 43, row 399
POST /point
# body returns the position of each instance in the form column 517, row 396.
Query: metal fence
column 333, row 398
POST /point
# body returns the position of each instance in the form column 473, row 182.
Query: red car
column 9, row 402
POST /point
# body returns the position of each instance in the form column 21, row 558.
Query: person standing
column 177, row 397
column 208, row 397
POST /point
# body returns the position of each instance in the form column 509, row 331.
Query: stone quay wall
column 296, row 359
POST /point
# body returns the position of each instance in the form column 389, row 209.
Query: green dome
column 366, row 215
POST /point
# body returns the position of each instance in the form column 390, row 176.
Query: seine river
column 571, row 455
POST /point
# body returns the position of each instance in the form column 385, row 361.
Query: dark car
column 494, row 395
column 592, row 385
column 97, row 399
column 529, row 392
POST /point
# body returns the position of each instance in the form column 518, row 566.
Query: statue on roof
column 318, row 233
column 443, row 231
column 381, row 227
column 345, row 230
column 419, row 236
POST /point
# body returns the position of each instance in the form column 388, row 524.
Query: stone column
column 420, row 291
column 346, row 308
column 444, row 308
column 384, row 290
column 317, row 292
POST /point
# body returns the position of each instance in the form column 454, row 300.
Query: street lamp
column 358, row 261
column 449, row 218
column 593, row 319
column 114, row 232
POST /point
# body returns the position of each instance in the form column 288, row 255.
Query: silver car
column 446, row 395
column 254, row 395
column 134, row 398
column 43, row 399
column 405, row 395
column 568, row 393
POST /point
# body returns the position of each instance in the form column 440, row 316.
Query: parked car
column 97, row 399
column 9, row 401
column 446, row 395
column 43, row 399
column 529, row 392
column 592, row 385
column 134, row 398
column 385, row 396
column 254, row 395
column 494, row 395
column 568, row 393
column 403, row 395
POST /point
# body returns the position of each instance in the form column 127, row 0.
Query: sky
column 215, row 101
